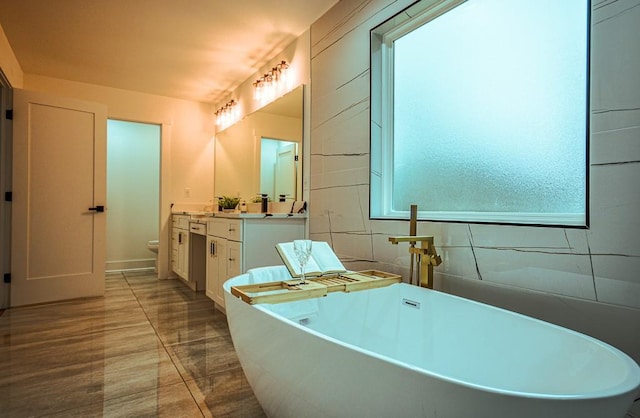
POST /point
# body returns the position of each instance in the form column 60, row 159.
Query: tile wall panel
column 615, row 205
column 355, row 246
column 342, row 209
column 336, row 134
column 617, row 280
column 349, row 16
column 615, row 32
column 616, row 146
column 339, row 67
column 340, row 170
column 563, row 274
column 521, row 237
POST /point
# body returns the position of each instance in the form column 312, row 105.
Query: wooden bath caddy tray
column 288, row 290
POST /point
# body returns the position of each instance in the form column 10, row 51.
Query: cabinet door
column 234, row 230
column 213, row 266
column 183, row 255
column 222, row 251
column 175, row 238
column 234, row 266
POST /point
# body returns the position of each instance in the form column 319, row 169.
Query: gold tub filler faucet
column 426, row 255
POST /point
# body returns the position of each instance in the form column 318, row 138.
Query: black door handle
column 97, row 208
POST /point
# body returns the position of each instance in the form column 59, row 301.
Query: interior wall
column 133, row 193
column 585, row 279
column 187, row 142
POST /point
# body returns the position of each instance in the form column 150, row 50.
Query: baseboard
column 127, row 265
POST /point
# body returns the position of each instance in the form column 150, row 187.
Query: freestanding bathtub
column 405, row 351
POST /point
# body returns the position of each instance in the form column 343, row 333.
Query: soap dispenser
column 265, row 202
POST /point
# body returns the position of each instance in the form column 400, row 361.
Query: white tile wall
column 615, row 205
column 561, row 274
column 616, row 279
column 595, row 269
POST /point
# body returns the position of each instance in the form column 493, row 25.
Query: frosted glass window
column 487, row 118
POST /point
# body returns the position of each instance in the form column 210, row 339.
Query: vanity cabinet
column 180, row 245
column 223, row 256
column 235, row 245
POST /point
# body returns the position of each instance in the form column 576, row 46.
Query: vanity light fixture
column 227, row 114
column 266, row 86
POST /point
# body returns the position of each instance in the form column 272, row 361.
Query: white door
column 286, row 171
column 59, row 192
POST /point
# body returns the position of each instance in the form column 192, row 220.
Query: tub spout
column 427, row 256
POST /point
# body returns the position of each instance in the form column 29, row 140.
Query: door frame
column 159, row 168
column 5, row 186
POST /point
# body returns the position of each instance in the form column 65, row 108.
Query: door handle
column 99, row 208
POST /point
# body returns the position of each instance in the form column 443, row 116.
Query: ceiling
column 196, row 50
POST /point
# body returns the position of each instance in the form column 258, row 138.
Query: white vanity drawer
column 181, row 221
column 225, row 228
column 218, row 227
column 196, row 228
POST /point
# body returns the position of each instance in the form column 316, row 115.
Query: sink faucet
column 426, row 254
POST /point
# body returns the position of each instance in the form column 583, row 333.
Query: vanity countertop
column 193, row 213
column 260, row 215
column 234, row 215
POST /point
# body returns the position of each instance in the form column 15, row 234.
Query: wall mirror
column 262, row 153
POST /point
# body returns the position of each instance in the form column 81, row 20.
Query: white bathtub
column 404, row 351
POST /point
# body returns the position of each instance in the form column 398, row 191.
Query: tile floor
column 148, row 348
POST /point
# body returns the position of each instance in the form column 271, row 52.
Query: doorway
column 133, row 194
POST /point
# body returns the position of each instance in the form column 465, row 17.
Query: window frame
column 382, row 128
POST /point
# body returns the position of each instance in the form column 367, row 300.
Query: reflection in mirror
column 278, row 168
column 247, row 152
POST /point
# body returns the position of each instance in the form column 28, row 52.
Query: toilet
column 153, row 247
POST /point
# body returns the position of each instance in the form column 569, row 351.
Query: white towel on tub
column 300, row 311
column 268, row 274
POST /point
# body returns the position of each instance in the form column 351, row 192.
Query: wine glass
column 302, row 249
